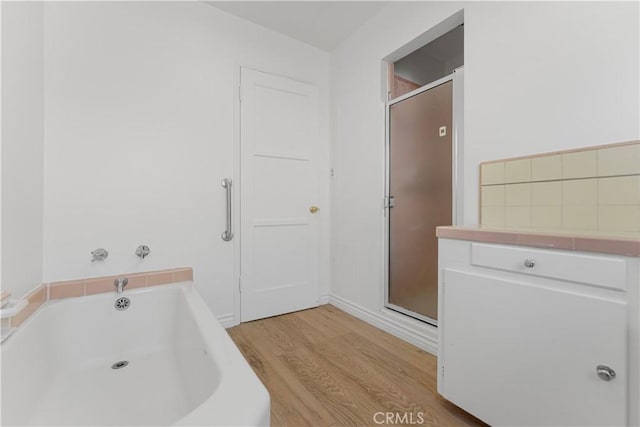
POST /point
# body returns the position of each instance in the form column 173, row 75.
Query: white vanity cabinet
column 538, row 337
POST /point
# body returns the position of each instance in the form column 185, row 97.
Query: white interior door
column 279, row 226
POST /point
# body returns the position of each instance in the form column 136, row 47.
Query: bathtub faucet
column 120, row 283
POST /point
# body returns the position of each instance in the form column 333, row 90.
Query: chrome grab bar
column 227, row 234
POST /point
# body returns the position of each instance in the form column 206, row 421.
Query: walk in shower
column 420, row 196
column 424, row 142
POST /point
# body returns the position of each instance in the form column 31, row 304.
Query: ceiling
column 323, row 24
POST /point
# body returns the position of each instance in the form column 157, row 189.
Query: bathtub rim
column 238, row 384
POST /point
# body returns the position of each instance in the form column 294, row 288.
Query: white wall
column 538, row 77
column 139, row 131
column 22, row 146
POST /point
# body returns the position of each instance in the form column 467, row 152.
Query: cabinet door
column 515, row 353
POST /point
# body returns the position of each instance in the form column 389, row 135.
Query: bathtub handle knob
column 142, row 251
column 99, row 254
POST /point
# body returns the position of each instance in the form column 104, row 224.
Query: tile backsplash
column 595, row 190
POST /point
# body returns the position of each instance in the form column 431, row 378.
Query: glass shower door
column 420, row 190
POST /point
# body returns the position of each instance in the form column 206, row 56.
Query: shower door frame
column 457, row 196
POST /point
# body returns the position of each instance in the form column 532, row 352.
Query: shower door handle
column 227, row 234
column 389, row 201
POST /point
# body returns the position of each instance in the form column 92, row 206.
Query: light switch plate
column 443, row 131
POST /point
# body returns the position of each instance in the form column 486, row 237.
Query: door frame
column 457, row 178
column 237, row 163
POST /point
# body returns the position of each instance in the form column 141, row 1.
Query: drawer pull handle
column 529, row 263
column 605, row 373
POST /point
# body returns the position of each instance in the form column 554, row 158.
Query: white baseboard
column 227, row 321
column 414, row 332
column 324, row 299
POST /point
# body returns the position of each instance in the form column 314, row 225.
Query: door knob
column 314, row 209
column 605, row 373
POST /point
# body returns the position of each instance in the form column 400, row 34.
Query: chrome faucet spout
column 120, row 283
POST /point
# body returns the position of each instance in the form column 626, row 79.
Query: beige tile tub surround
column 586, row 191
column 97, row 285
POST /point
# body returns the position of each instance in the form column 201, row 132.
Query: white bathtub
column 183, row 367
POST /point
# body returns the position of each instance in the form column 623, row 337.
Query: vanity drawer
column 598, row 270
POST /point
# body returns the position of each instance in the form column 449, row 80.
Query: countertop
column 618, row 245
